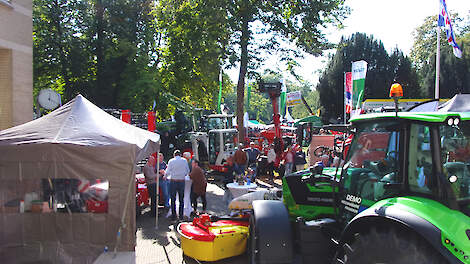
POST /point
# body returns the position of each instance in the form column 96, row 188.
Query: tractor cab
column 423, row 155
column 217, row 121
column 222, row 143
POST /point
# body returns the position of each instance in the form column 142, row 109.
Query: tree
column 60, row 60
column 453, row 76
column 89, row 46
column 298, row 22
column 382, row 70
column 194, row 34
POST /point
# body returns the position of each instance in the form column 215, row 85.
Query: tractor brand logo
column 354, row 199
column 352, row 203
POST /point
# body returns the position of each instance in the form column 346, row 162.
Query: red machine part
column 199, row 228
column 126, row 116
column 141, row 190
column 151, row 121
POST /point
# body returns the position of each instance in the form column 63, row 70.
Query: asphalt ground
column 162, row 244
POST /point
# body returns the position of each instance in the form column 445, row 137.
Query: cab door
column 372, row 170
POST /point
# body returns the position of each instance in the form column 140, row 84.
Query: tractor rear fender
column 273, row 232
column 400, row 219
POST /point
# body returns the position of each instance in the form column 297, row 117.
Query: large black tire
column 390, row 246
column 270, row 238
column 251, row 245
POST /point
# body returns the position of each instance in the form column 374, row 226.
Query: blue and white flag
column 444, row 21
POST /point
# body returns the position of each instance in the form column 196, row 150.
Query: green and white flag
column 359, row 70
column 282, row 98
column 219, row 100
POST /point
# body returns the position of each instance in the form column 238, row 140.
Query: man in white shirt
column 271, row 159
column 176, row 171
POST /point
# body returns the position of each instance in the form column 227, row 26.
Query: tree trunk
column 245, row 36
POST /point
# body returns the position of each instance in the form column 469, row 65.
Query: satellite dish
column 48, row 99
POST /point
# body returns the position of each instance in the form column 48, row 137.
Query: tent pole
column 158, row 191
column 438, row 62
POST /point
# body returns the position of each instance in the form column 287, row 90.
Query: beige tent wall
column 62, row 237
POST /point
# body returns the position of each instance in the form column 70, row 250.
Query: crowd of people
column 241, row 166
column 244, row 162
column 172, row 178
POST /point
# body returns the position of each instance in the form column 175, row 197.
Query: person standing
column 270, row 167
column 299, row 159
column 199, row 186
column 164, row 184
column 165, row 146
column 176, row 171
column 239, row 161
column 187, row 157
column 150, row 178
column 253, row 154
column 289, row 160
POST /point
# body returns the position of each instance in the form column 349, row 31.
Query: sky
column 392, row 22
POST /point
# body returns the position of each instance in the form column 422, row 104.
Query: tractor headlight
column 453, row 121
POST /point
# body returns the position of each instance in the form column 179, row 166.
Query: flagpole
column 438, row 62
column 158, row 191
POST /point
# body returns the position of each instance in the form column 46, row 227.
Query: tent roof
column 458, row 103
column 80, row 122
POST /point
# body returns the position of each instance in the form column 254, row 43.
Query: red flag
column 348, row 91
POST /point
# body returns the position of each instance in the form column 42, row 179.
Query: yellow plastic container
column 228, row 240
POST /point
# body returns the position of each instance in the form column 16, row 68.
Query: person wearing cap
column 176, row 171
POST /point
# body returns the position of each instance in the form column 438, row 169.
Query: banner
column 220, row 92
column 348, row 92
column 359, row 70
column 294, row 98
column 282, row 98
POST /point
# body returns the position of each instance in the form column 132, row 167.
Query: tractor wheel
column 391, row 247
column 251, row 247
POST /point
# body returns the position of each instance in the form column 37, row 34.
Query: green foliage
column 382, row 70
column 195, row 35
column 454, row 72
column 313, row 100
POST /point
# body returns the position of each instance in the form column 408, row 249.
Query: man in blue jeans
column 176, row 171
column 164, row 184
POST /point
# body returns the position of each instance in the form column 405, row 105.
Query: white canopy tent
column 76, row 144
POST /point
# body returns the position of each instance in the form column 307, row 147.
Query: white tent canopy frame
column 76, row 141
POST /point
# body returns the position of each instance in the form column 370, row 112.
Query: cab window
column 420, row 159
column 455, row 157
column 373, row 161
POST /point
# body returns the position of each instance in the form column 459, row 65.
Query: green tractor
column 402, row 195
